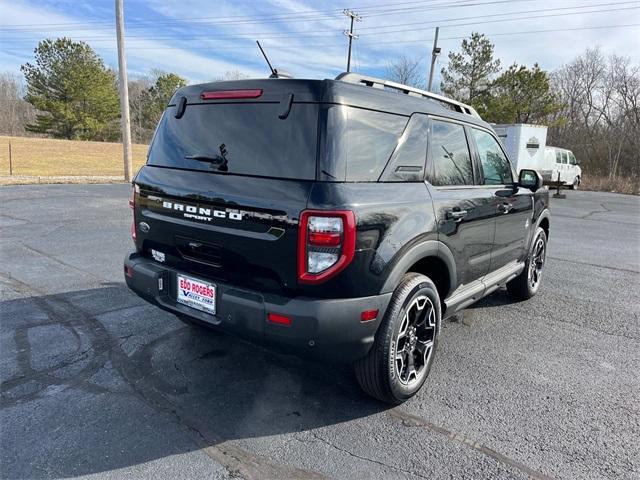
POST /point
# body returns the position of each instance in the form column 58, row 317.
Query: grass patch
column 49, row 157
column 629, row 185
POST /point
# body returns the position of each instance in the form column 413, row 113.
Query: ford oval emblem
column 144, row 227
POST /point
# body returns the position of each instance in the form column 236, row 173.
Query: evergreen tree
column 520, row 95
column 74, row 92
column 469, row 73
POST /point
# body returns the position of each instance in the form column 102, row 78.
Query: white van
column 561, row 160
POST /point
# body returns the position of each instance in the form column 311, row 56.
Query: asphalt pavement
column 96, row 383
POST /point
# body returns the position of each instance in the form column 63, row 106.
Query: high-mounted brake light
column 326, row 244
column 231, row 94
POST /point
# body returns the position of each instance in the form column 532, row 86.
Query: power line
column 254, row 18
column 635, row 2
column 529, row 32
column 322, row 33
column 502, row 20
column 261, row 18
column 276, row 47
column 337, row 46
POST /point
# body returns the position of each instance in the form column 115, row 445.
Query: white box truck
column 526, row 146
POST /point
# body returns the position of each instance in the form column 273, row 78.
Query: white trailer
column 525, row 145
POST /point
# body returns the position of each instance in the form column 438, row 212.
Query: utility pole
column 124, row 93
column 349, row 33
column 434, row 54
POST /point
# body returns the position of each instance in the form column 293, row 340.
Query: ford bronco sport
column 340, row 219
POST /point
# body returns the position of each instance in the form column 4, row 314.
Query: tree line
column 591, row 104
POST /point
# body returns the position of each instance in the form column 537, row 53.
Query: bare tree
column 600, row 118
column 406, row 71
column 137, row 95
column 148, row 97
column 231, row 75
column 15, row 112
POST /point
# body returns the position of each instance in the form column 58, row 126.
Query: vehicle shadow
column 97, row 380
column 496, row 299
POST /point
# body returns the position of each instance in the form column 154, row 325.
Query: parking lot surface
column 97, row 383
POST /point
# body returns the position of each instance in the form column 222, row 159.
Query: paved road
column 96, row 383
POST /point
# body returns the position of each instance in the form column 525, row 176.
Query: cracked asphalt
column 97, row 384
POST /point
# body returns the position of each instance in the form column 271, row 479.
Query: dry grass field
column 48, row 157
column 629, row 185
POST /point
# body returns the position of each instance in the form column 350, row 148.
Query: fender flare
column 544, row 214
column 429, row 248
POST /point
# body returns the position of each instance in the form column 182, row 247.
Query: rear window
column 358, row 143
column 239, row 138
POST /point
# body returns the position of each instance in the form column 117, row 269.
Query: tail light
column 326, row 244
column 132, row 205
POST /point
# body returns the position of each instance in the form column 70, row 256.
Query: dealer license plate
column 197, row 294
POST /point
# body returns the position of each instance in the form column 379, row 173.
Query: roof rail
column 415, row 92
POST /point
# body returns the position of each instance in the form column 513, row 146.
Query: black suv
column 340, row 219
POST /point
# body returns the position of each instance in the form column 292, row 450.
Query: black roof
column 330, row 91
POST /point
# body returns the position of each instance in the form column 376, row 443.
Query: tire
column 576, row 184
column 406, row 338
column 526, row 285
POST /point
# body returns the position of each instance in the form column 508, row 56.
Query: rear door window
column 408, row 159
column 371, row 138
column 449, row 158
column 558, row 157
column 239, row 138
column 564, row 158
column 495, row 166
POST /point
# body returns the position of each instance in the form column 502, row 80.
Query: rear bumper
column 325, row 329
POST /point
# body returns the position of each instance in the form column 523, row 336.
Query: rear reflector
column 368, row 315
column 279, row 319
column 128, row 271
column 231, row 94
column 324, row 239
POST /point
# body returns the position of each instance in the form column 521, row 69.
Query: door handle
column 505, row 207
column 456, row 215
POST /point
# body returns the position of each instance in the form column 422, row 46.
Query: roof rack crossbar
column 356, row 78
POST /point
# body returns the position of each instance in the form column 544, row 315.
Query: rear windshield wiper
column 217, row 160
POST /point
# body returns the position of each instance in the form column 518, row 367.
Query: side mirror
column 530, row 179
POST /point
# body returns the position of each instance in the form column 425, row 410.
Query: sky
column 202, row 39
